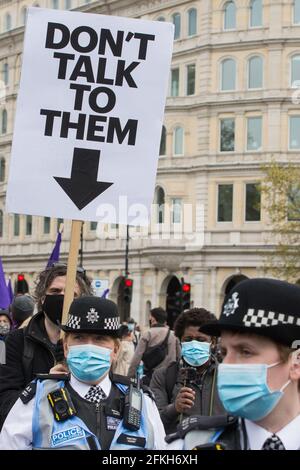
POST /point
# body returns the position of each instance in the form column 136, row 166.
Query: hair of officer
column 47, row 276
column 159, row 314
column 192, row 317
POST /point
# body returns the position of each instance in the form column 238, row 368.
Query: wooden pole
column 72, row 268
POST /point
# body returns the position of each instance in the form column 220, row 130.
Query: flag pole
column 72, row 268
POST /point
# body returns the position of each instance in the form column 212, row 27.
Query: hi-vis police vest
column 95, row 426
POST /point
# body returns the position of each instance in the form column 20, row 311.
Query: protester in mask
column 187, row 387
column 258, row 381
column 92, row 395
column 35, row 349
column 5, row 328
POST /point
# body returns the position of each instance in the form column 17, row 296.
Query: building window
column 192, row 21
column 2, row 170
column 1, row 223
column 160, row 18
column 294, row 132
column 160, row 205
column 68, row 4
column 175, row 82
column 7, row 22
column 176, row 20
column 254, row 133
column 252, row 212
column 163, row 141
column 55, row 4
column 229, row 15
column 178, row 141
column 190, row 79
column 256, row 13
column 176, row 210
column 23, row 16
column 4, row 122
column 227, row 135
column 28, row 224
column 5, row 73
column 228, row 74
column 293, row 201
column 58, row 224
column 16, row 225
column 93, row 226
column 225, row 202
column 255, row 72
column 295, row 71
column 297, row 12
column 47, row 224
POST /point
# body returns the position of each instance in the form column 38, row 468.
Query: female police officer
column 85, row 410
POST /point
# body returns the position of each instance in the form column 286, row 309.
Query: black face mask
column 53, row 308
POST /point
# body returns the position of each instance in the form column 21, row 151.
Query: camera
column 61, row 404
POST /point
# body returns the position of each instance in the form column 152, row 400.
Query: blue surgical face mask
column 130, row 326
column 195, row 353
column 244, row 391
column 87, row 362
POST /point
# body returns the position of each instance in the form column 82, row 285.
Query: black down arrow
column 83, row 187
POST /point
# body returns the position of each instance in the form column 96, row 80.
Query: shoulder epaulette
column 201, row 423
column 28, row 392
column 123, row 379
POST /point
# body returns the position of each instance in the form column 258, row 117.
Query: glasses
column 80, row 270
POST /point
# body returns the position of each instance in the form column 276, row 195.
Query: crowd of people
column 91, row 383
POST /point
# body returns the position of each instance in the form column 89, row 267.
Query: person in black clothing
column 36, row 348
column 188, row 387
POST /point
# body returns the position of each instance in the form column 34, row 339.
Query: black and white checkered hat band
column 74, row 322
column 111, row 324
column 263, row 318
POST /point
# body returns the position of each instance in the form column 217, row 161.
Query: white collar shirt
column 289, row 435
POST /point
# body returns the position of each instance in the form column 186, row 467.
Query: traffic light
column 127, row 296
column 185, row 296
column 21, row 285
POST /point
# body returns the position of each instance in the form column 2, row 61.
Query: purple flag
column 10, row 291
column 4, row 296
column 54, row 257
column 105, row 294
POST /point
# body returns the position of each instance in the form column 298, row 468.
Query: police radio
column 133, row 408
column 61, row 404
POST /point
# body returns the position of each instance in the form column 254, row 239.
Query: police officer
column 88, row 408
column 259, row 379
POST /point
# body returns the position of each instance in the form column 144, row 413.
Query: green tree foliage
column 281, row 195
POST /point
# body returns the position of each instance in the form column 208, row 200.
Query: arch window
column 229, row 15
column 176, row 20
column 178, row 148
column 160, row 205
column 228, row 75
column 256, row 13
column 2, row 170
column 4, row 122
column 192, row 21
column 255, row 72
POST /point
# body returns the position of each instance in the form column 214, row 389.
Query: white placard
column 89, row 116
column 100, row 286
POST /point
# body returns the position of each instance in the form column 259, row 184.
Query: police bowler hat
column 90, row 314
column 266, row 307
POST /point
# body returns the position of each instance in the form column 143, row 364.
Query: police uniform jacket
column 17, row 433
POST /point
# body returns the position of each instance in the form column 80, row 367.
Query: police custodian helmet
column 89, row 314
column 266, row 307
